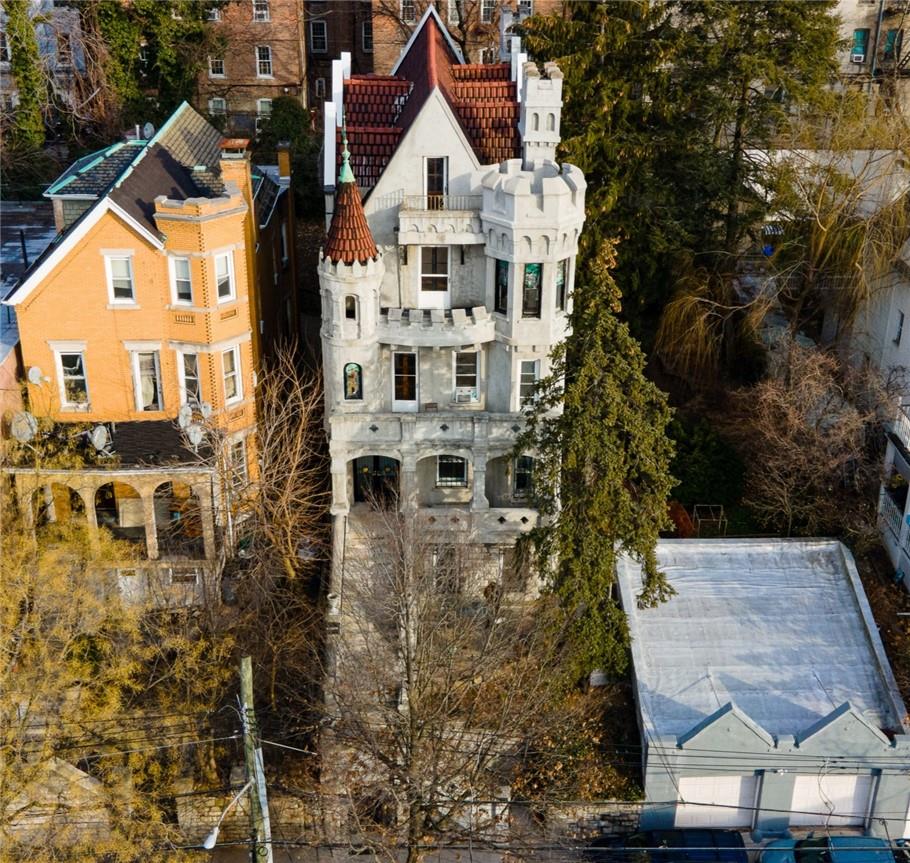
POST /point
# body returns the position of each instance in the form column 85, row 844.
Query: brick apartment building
column 333, row 27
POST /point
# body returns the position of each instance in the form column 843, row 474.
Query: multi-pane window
column 527, row 381
column 181, row 281
column 261, row 10
column 366, row 36
column 501, row 299
column 73, row 381
column 454, row 16
column 147, row 381
column 466, row 376
column 213, row 14
column 230, row 367
column 435, row 180
column 120, row 278
column 451, row 471
column 894, row 40
column 562, row 278
column 5, row 54
column 408, row 11
column 530, row 293
column 525, row 8
column 524, row 472
column 486, row 10
column 216, row 67
column 860, row 44
column 263, row 113
column 263, row 61
column 434, row 268
column 190, row 381
column 238, row 465
column 319, row 37
column 900, row 327
column 405, row 377
column 217, row 106
column 224, row 277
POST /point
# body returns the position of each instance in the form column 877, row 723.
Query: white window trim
column 134, row 363
column 119, row 301
column 268, row 14
column 413, row 19
column 238, row 371
column 220, row 74
column 172, row 271
column 212, row 110
column 233, row 295
column 447, row 275
column 325, row 37
column 259, row 74
column 406, row 405
column 181, row 374
column 445, row 174
column 452, row 13
column 74, row 348
column 521, row 404
column 476, row 388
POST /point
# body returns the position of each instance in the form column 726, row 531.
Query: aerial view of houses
column 441, row 430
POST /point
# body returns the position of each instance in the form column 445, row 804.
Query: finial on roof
column 346, row 175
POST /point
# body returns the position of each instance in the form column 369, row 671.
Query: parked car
column 670, row 846
column 833, row 849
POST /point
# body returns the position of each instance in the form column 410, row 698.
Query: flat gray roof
column 781, row 628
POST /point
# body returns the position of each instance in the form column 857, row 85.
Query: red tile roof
column 349, row 238
column 378, row 109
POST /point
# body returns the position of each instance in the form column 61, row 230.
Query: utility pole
column 260, row 829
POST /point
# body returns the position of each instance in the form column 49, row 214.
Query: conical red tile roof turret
column 349, row 238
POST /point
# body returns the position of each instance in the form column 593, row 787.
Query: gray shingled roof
column 92, row 175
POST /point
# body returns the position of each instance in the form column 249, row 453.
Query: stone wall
column 584, row 820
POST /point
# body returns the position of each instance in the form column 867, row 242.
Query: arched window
column 350, row 307
column 535, row 122
column 551, row 122
column 353, row 381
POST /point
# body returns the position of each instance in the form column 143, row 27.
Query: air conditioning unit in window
column 858, row 57
column 464, row 395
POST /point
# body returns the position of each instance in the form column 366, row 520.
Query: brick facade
column 347, row 27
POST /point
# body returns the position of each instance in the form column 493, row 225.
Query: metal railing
column 890, row 514
column 441, row 202
column 902, row 423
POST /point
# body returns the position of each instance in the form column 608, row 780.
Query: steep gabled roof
column 349, row 237
column 379, row 109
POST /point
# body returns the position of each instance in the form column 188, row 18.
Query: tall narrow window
column 900, row 327
column 436, row 181
column 216, row 67
column 319, row 37
column 224, row 277
column 454, row 12
column 486, row 10
column 4, row 48
column 350, row 307
column 147, row 381
column 284, row 242
column 404, row 393
column 263, row 113
column 466, row 376
column 120, row 279
column 408, row 11
column 524, row 471
column 894, row 39
column 180, row 280
column 860, row 44
column 451, row 471
column 319, row 88
column 190, row 384
column 233, row 383
column 530, row 295
column 501, row 299
column 527, row 381
column 73, row 381
column 353, row 382
column 263, row 61
column 238, row 465
column 434, row 268
column 366, row 36
column 261, row 10
column 562, row 278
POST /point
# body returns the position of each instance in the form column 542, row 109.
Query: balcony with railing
column 900, row 425
column 439, row 328
column 890, row 513
column 427, row 218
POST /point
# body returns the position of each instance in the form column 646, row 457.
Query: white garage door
column 716, row 801
column 844, row 798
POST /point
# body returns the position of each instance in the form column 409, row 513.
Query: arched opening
column 444, row 480
column 178, row 521
column 353, row 382
column 508, row 481
column 376, row 481
column 535, row 122
column 118, row 507
column 57, row 504
column 350, row 307
column 551, row 122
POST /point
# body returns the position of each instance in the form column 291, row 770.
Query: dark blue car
column 670, row 846
column 832, row 849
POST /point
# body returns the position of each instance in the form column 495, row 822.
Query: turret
column 541, row 110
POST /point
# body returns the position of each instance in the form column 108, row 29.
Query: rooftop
column 780, row 628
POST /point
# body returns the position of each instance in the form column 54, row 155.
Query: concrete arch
column 126, row 513
column 179, row 521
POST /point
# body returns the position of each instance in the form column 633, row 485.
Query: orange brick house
column 172, row 275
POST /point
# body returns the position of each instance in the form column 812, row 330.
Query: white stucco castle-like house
column 446, row 280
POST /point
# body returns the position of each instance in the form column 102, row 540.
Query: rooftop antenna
column 35, row 376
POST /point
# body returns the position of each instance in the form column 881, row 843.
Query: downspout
column 878, row 33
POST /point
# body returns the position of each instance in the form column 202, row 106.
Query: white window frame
column 114, row 300
column 238, row 478
column 406, row 405
column 261, row 11
column 319, row 88
column 486, row 11
column 453, row 11
column 410, row 5
column 237, row 373
column 365, row 27
column 212, row 72
column 462, row 390
column 65, row 404
column 222, row 101
column 449, row 483
column 435, row 299
column 319, row 25
column 213, row 14
column 137, row 389
column 260, row 62
column 527, row 11
column 262, row 115
column 524, row 401
column 229, row 298
column 6, row 53
column 181, row 376
column 172, row 269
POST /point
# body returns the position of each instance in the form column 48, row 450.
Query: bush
column 706, row 465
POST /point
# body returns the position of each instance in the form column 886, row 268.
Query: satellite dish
column 147, row 131
column 34, row 375
column 184, row 416
column 205, row 409
column 99, row 437
column 23, row 426
column 194, row 433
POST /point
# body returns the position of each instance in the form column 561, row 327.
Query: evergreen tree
column 27, row 130
column 601, row 471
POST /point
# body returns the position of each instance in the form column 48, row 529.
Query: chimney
column 284, row 161
column 235, row 165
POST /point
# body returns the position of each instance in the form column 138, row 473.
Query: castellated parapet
column 541, row 112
